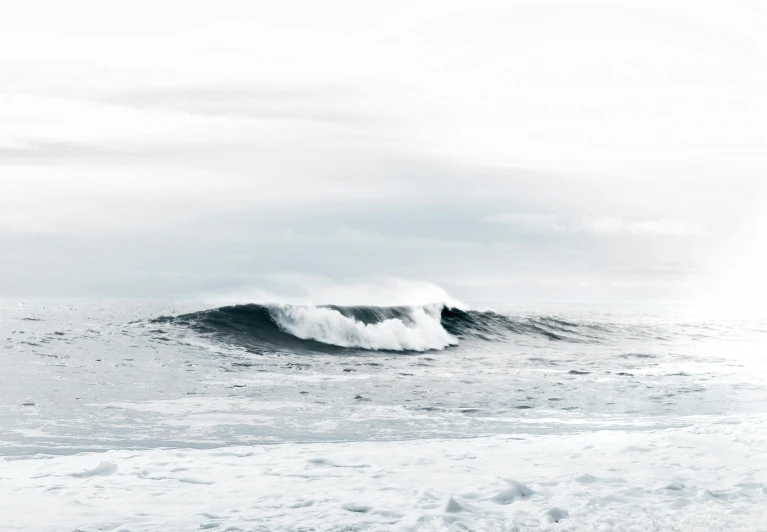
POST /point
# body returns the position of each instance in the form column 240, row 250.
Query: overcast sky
column 542, row 150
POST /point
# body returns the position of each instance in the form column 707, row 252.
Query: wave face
column 307, row 328
column 493, row 326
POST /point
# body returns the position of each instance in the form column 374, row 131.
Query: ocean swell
column 329, row 328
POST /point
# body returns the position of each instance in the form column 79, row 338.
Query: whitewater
column 424, row 415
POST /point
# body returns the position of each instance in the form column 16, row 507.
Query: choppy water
column 85, row 375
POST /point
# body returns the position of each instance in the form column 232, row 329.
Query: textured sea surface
column 144, row 415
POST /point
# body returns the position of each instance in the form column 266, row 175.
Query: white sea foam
column 419, row 330
column 686, row 479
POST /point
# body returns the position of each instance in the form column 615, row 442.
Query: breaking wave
column 326, row 328
column 391, row 329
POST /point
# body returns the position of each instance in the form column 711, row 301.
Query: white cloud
column 666, row 227
column 606, row 225
column 28, row 119
column 551, row 223
column 530, row 221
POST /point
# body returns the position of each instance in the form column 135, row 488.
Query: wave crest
column 327, row 328
column 392, row 329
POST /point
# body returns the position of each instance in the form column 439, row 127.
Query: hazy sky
column 509, row 150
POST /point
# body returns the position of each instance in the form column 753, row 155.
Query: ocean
column 136, row 415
